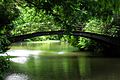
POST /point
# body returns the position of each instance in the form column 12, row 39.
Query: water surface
column 58, row 61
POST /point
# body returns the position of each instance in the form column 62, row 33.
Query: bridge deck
column 102, row 38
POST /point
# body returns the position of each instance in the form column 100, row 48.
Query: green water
column 58, row 61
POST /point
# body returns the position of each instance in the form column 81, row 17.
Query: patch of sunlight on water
column 17, row 76
column 21, row 56
column 23, row 52
column 61, row 52
column 48, row 41
column 21, row 60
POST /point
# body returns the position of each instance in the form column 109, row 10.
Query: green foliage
column 31, row 21
column 86, row 44
column 94, row 26
column 8, row 12
column 64, row 12
column 4, row 66
column 4, row 43
column 96, row 16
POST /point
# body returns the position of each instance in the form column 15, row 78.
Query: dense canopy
column 19, row 17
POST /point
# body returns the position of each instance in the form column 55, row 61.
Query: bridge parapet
column 98, row 37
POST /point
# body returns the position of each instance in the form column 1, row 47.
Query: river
column 54, row 60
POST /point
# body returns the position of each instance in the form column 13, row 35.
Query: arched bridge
column 98, row 37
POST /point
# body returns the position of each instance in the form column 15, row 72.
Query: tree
column 31, row 21
column 8, row 12
column 90, row 15
column 69, row 14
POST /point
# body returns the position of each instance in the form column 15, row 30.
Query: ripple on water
column 17, row 76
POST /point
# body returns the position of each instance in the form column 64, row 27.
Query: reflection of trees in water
column 45, row 46
column 71, row 68
column 56, row 68
column 53, row 68
column 59, row 68
column 31, row 66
